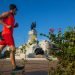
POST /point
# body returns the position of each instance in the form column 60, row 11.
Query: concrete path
column 33, row 66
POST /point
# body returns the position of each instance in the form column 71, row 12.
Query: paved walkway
column 33, row 66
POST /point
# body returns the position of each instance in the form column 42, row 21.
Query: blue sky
column 47, row 14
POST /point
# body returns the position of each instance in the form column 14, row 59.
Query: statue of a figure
column 32, row 33
column 33, row 25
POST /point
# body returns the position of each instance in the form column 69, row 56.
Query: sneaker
column 18, row 68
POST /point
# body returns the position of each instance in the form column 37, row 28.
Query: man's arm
column 3, row 15
column 1, row 22
column 6, row 14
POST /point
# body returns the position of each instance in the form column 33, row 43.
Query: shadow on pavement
column 37, row 73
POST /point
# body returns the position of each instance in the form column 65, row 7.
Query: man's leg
column 12, row 56
column 1, row 48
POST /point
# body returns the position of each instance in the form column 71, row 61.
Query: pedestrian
column 8, row 21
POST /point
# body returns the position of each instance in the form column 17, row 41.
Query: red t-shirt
column 9, row 21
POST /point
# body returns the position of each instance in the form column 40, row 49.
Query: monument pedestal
column 39, row 56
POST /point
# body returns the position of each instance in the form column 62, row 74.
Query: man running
column 8, row 21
